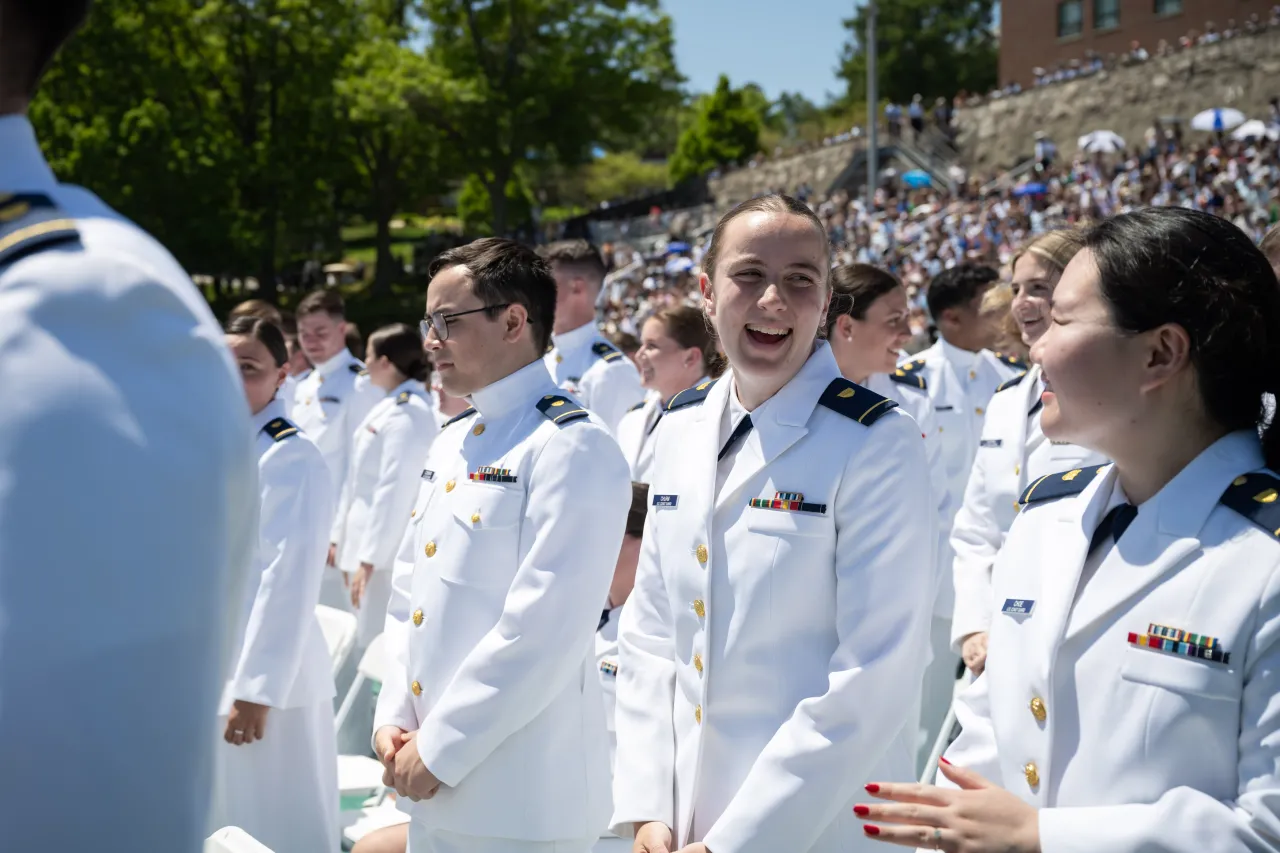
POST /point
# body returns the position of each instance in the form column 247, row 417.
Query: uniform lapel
column 1026, row 400
column 703, row 444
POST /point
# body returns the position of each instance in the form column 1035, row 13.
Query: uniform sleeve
column 644, row 777
column 296, row 506
column 579, row 496
column 364, row 396
column 942, row 497
column 338, row 529
column 405, row 441
column 611, row 390
column 1185, row 820
column 975, row 539
column 395, row 702
column 820, row 758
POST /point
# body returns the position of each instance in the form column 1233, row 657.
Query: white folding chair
column 371, row 819
column 339, row 631
column 939, row 746
column 360, row 776
column 371, row 670
column 233, row 839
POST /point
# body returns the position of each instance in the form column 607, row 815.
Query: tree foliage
column 928, row 47
column 725, row 130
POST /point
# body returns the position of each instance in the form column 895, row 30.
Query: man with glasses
column 491, row 721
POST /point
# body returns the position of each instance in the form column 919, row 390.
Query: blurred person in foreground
column 127, row 502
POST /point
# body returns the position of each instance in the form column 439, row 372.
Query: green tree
column 928, row 47
column 726, row 130
column 544, row 79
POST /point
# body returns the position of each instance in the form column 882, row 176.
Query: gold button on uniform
column 1032, row 773
column 413, row 514
column 699, row 608
column 1017, row 469
column 448, row 487
column 416, row 688
column 475, row 518
column 701, row 553
column 978, row 410
column 477, row 429
column 697, row 662
column 697, row 715
column 417, row 617
column 1038, row 710
column 430, row 550
column 973, row 374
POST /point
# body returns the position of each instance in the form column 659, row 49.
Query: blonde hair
column 996, row 309
column 1054, row 248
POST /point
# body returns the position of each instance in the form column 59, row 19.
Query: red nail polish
column 870, row 829
column 943, row 759
column 873, row 788
column 861, row 811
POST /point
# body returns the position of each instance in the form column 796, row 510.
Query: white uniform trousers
column 939, row 688
column 423, row 839
column 282, row 790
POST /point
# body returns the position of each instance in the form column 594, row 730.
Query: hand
column 696, row 847
column 332, row 560
column 411, row 776
column 979, row 818
column 359, row 582
column 973, row 651
column 246, row 723
column 387, row 742
column 652, row 837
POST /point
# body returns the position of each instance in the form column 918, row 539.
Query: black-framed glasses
column 439, row 321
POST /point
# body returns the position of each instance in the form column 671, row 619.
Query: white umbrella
column 1102, row 142
column 1217, row 119
column 1254, row 129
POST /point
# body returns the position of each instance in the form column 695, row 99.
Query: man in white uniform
column 128, row 503
column 491, row 717
column 581, row 359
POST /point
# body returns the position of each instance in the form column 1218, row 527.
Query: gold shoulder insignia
column 30, row 221
column 280, row 429
column 853, row 401
column 1256, row 496
column 561, row 410
column 1061, row 485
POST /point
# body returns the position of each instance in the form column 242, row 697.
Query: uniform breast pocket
column 486, row 520
column 772, row 522
column 1190, row 676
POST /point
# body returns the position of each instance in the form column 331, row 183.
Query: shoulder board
column 855, row 402
column 690, row 396
column 465, row 413
column 1012, row 360
column 29, row 221
column 358, row 369
column 1061, row 485
column 912, row 379
column 1255, row 497
column 1010, row 383
column 402, row 398
column 561, row 410
column 606, row 350
column 280, row 429
column 639, row 405
column 910, row 367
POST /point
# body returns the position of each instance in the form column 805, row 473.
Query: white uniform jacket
column 128, row 511
column 516, row 532
column 283, row 661
column 329, row 403
column 1013, row 452
column 596, row 373
column 770, row 654
column 1123, row 746
column 635, row 434
column 607, row 663
column 387, row 452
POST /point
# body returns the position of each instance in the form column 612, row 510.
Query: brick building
column 1043, row 33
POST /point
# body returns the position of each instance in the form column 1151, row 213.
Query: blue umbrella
column 917, row 178
column 1029, row 189
column 673, row 248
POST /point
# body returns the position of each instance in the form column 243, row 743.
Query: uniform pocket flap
column 1180, row 674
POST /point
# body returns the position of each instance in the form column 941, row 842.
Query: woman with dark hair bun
column 1129, row 701
column 383, row 475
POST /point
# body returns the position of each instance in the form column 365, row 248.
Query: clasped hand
column 402, row 765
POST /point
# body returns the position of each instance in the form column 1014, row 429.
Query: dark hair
column 853, row 290
column 687, row 326
column 626, row 342
column 257, row 308
column 31, row 34
column 958, row 286
column 1173, row 265
column 579, row 254
column 639, row 508
column 326, row 301
column 774, row 203
column 1270, row 246
column 351, row 334
column 506, row 272
column 402, row 345
column 264, row 332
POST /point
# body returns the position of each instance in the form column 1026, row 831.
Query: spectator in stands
column 916, row 113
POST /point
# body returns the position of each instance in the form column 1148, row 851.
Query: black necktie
column 1114, row 524
column 743, row 427
column 604, row 618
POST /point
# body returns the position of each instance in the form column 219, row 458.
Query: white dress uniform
column 1130, row 693
column 779, row 622
column 287, row 392
column 283, row 789
column 635, row 434
column 515, row 536
column 607, row 664
column 1013, row 453
column 329, row 403
column 596, row 373
column 127, row 517
column 387, row 453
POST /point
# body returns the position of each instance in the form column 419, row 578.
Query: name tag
column 665, row 501
column 428, row 475
column 330, row 400
column 1018, row 606
column 991, row 442
column 944, row 408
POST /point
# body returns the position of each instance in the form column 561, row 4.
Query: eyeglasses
column 439, row 321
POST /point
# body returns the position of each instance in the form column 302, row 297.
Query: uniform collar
column 23, row 167
column 273, row 410
column 512, row 391
column 575, row 339
column 413, row 386
column 1185, row 501
column 794, row 402
column 333, row 365
column 957, row 356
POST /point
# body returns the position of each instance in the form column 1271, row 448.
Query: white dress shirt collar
column 512, row 391
column 23, row 167
column 333, row 365
column 959, row 357
column 575, row 339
